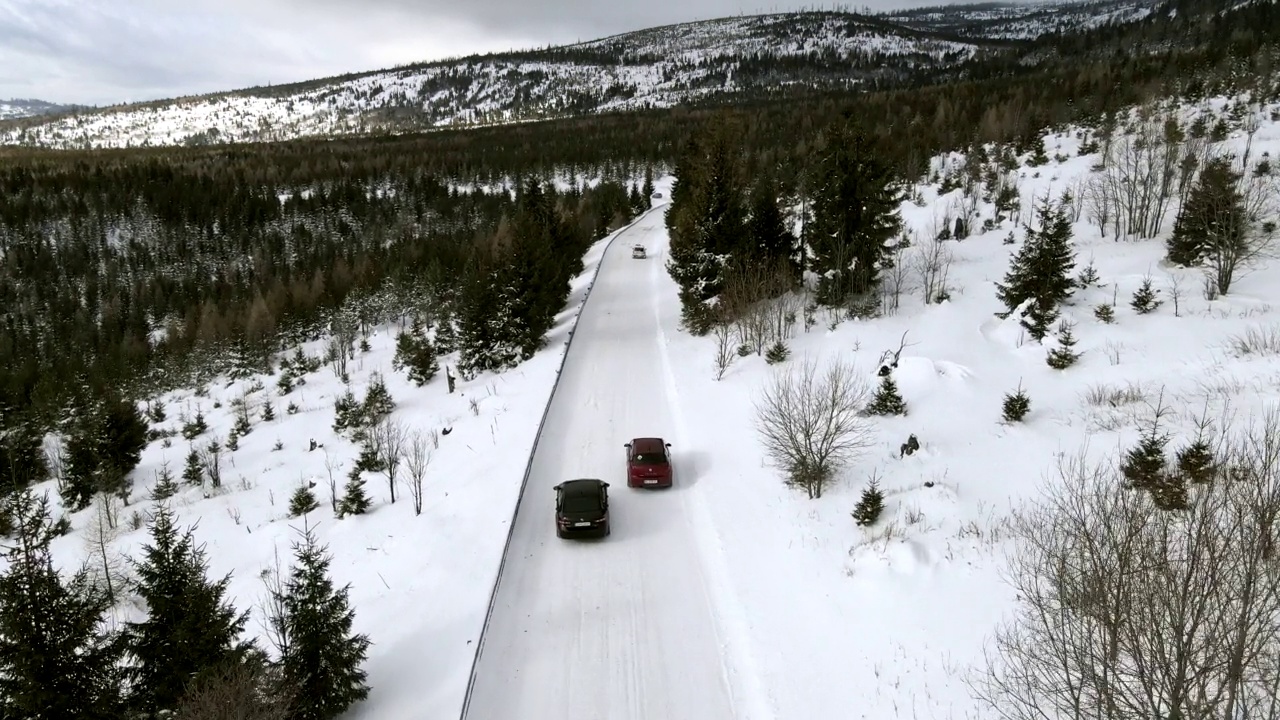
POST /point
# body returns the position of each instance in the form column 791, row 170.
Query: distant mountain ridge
column 29, row 107
column 650, row 68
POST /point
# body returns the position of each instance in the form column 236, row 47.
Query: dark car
column 582, row 508
column 648, row 463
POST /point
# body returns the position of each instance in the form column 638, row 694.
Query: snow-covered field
column 730, row 595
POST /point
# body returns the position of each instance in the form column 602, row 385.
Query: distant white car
column 637, row 251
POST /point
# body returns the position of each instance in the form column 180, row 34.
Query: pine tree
column 1041, row 271
column 268, row 412
column 1016, row 405
column 193, row 473
column 1214, row 216
column 856, row 200
column 870, row 506
column 647, row 190
column 1063, row 356
column 771, row 242
column 1145, row 464
column 377, row 401
column 484, row 334
column 322, row 657
column 1196, row 462
column 165, row 486
column 355, row 501
column 1144, row 299
column 887, row 400
column 57, row 660
column 302, row 501
column 705, row 220
column 190, row 626
column 22, row 458
column 104, row 444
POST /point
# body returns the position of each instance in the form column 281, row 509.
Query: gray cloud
column 107, row 51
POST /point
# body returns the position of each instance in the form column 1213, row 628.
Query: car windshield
column 581, row 504
column 651, row 459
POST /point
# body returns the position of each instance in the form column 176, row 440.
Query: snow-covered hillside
column 653, row 68
column 821, row 618
column 26, row 107
column 1025, row 21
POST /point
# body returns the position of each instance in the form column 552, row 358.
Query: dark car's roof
column 647, row 445
column 582, row 486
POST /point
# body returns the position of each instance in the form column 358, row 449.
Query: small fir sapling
column 777, row 352
column 1088, row 276
column 193, row 473
column 165, row 486
column 887, row 400
column 1196, row 461
column 870, row 506
column 233, row 440
column 302, row 501
column 1144, row 299
column 1105, row 313
column 268, row 412
column 1063, row 357
column 1016, row 405
column 292, row 409
column 195, row 428
column 354, row 499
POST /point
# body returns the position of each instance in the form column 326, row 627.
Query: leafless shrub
column 1257, row 341
column 236, row 691
column 416, row 459
column 1176, row 292
column 895, row 279
column 746, row 302
column 722, row 333
column 811, row 423
column 1103, row 395
column 333, row 482
column 108, row 569
column 1134, row 189
column 1127, row 611
column 390, row 438
column 1112, row 351
column 932, row 263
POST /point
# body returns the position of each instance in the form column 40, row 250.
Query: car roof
column 581, row 486
column 648, row 445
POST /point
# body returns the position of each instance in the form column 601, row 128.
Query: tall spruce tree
column 190, row 626
column 57, row 659
column 538, row 269
column 320, row 656
column 105, row 441
column 647, row 190
column 22, row 458
column 770, row 240
column 1213, row 217
column 1041, row 270
column 706, row 220
column 856, row 200
column 484, row 333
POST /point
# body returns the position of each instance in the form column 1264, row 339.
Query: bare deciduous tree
column 811, row 423
column 333, row 482
column 932, row 263
column 723, row 336
column 895, row 279
column 236, row 691
column 388, row 439
column 1126, row 610
column 416, row 459
column 107, row 568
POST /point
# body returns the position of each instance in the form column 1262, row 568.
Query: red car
column 648, row 463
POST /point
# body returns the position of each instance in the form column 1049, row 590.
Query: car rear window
column 581, row 503
column 651, row 459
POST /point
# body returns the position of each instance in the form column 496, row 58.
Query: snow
column 730, row 595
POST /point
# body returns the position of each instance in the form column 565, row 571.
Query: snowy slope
column 20, row 108
column 653, row 68
column 810, row 615
column 626, row 628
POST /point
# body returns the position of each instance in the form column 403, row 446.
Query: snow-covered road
column 623, row 628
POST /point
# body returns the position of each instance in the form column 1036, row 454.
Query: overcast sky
column 100, row 52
